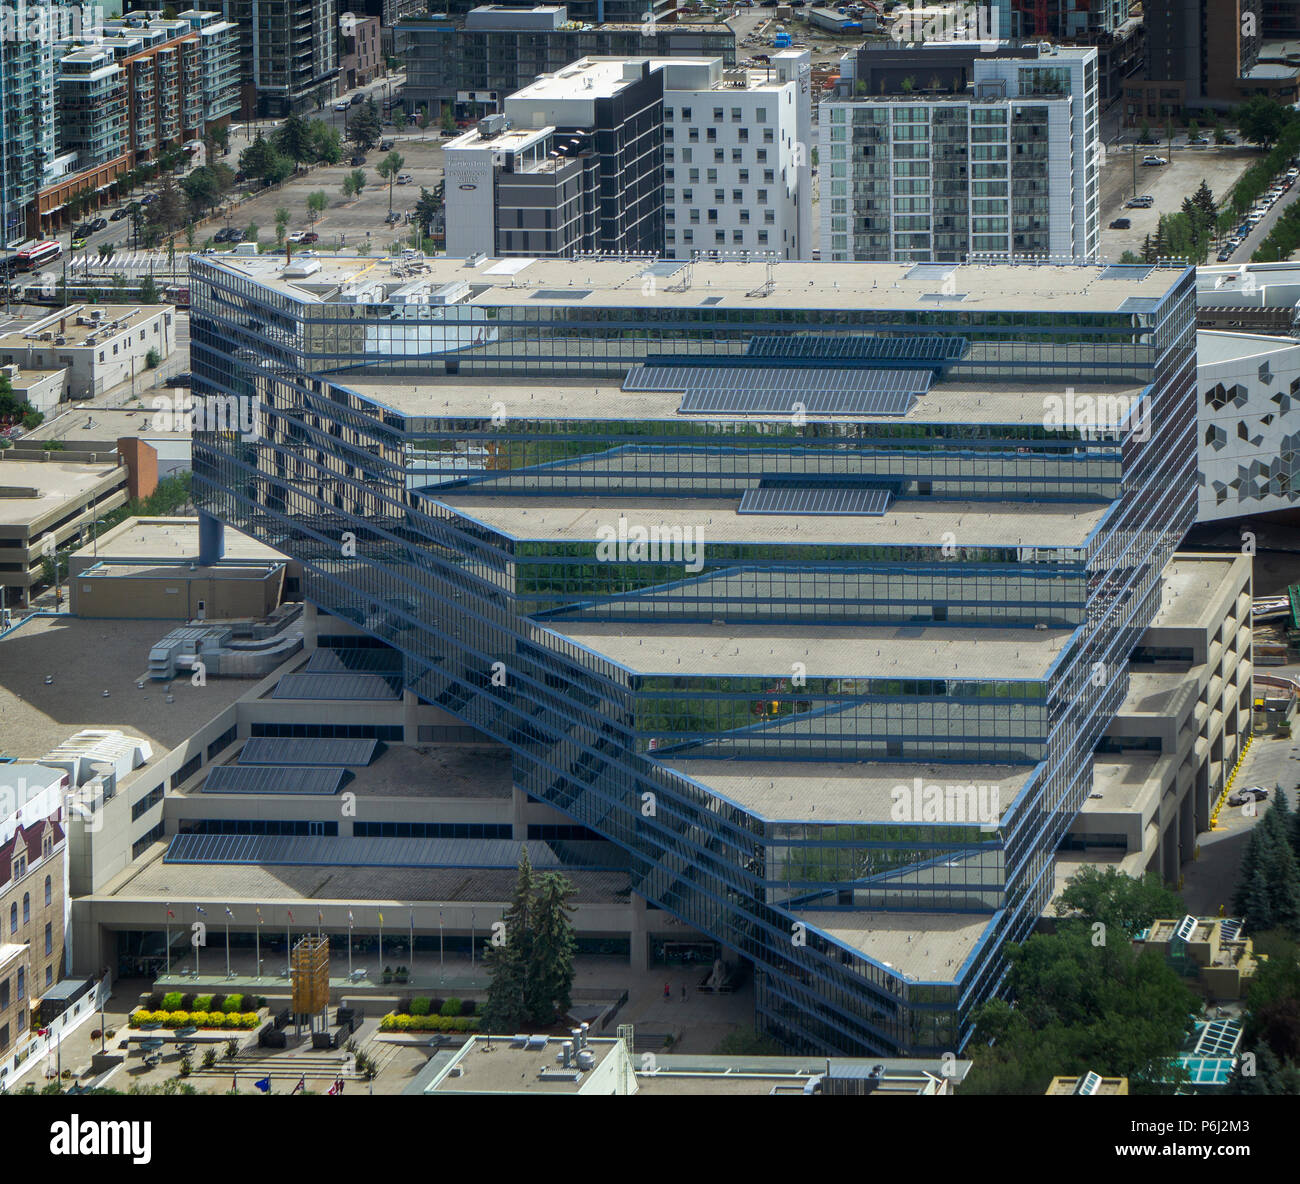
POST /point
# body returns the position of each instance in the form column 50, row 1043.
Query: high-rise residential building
column 1280, row 19
column 608, row 110
column 595, row 12
column 500, row 49
column 27, row 117
column 219, row 47
column 737, row 157
column 1207, row 56
column 811, row 586
column 1114, row 27
column 92, row 106
column 290, row 54
column 1009, row 167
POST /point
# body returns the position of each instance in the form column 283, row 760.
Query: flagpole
column 381, row 943
column 227, row 942
column 349, row 946
column 410, row 926
column 442, row 964
column 197, row 945
column 167, row 925
column 471, row 941
column 257, row 933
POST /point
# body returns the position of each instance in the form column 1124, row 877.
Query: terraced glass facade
column 511, row 629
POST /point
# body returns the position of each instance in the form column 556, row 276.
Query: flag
column 259, row 915
column 302, row 1084
column 234, row 1082
column 229, row 913
column 171, row 914
column 335, row 1088
column 381, row 918
column 264, row 1085
column 320, row 917
column 290, row 916
column 202, row 912
column 42, row 1031
column 349, row 918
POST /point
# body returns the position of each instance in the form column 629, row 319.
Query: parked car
column 404, row 178
column 99, row 224
column 358, row 159
column 357, row 98
column 1121, row 224
column 1145, row 202
column 310, row 237
column 386, row 145
column 393, row 216
column 297, row 236
column 1252, row 793
column 148, row 199
column 1154, row 160
column 118, row 214
column 342, row 105
column 1197, row 140
column 181, row 379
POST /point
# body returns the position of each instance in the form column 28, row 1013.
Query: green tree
column 219, row 134
column 251, row 231
column 1145, row 137
column 1118, row 901
column 293, row 138
column 326, row 146
column 448, row 117
column 1261, row 120
column 149, row 293
column 317, row 203
column 550, row 972
column 506, row 1007
column 1220, row 136
column 355, row 181
column 388, row 168
column 1080, row 1007
column 426, row 209
column 282, row 217
column 261, row 161
column 365, row 128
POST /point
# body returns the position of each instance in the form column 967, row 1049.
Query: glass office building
column 810, row 585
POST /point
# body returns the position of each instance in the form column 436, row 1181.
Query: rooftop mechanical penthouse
column 742, row 561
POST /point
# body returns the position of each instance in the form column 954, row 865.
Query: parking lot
column 1168, row 184
column 354, row 221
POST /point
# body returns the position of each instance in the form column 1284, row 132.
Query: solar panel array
column 815, row 500
column 269, row 750
column 336, row 686
column 271, row 780
column 329, row 661
column 857, row 347
column 348, row 851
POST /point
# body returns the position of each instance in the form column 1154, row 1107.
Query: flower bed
column 428, row 1023
column 195, row 1019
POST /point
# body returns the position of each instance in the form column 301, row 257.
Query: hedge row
column 194, row 1019
column 231, row 1004
column 445, row 1007
column 428, row 1023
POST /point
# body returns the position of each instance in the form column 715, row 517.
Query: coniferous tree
column 506, row 1008
column 550, row 973
column 1256, row 902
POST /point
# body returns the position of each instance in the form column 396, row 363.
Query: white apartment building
column 1008, row 167
column 219, row 42
column 737, row 156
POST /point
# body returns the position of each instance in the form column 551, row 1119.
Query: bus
column 38, row 255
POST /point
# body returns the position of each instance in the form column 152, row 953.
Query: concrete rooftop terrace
column 918, row 521
column 601, row 283
column 55, row 483
column 826, row 792
column 924, row 947
column 857, row 651
column 169, row 540
column 86, row 658
column 115, row 319
column 1189, row 581
column 1020, row 403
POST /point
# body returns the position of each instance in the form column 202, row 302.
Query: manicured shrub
column 199, row 1019
column 450, row 1008
column 171, row 1001
column 419, row 1006
column 436, row 1005
column 248, row 1019
column 202, row 1003
column 233, row 1003
column 177, row 1019
column 468, row 1007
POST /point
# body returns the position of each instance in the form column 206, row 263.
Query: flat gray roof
column 483, row 398
column 916, row 521
column 57, row 484
column 85, row 657
column 925, row 947
column 252, row 883
column 492, row 1066
column 1190, row 590
column 171, row 540
column 843, row 651
column 825, row 792
column 597, row 283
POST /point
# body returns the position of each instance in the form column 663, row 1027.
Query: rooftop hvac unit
column 64, row 341
column 492, row 125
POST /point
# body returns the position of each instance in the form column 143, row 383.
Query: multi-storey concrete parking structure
column 812, row 586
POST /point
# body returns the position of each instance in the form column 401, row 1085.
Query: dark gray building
column 499, row 49
column 290, row 54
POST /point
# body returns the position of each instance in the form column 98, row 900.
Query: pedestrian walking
column 668, row 991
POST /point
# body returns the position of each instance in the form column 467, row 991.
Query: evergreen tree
column 506, row 1008
column 1256, row 903
column 1204, row 201
column 550, row 972
column 365, row 127
column 1282, row 874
